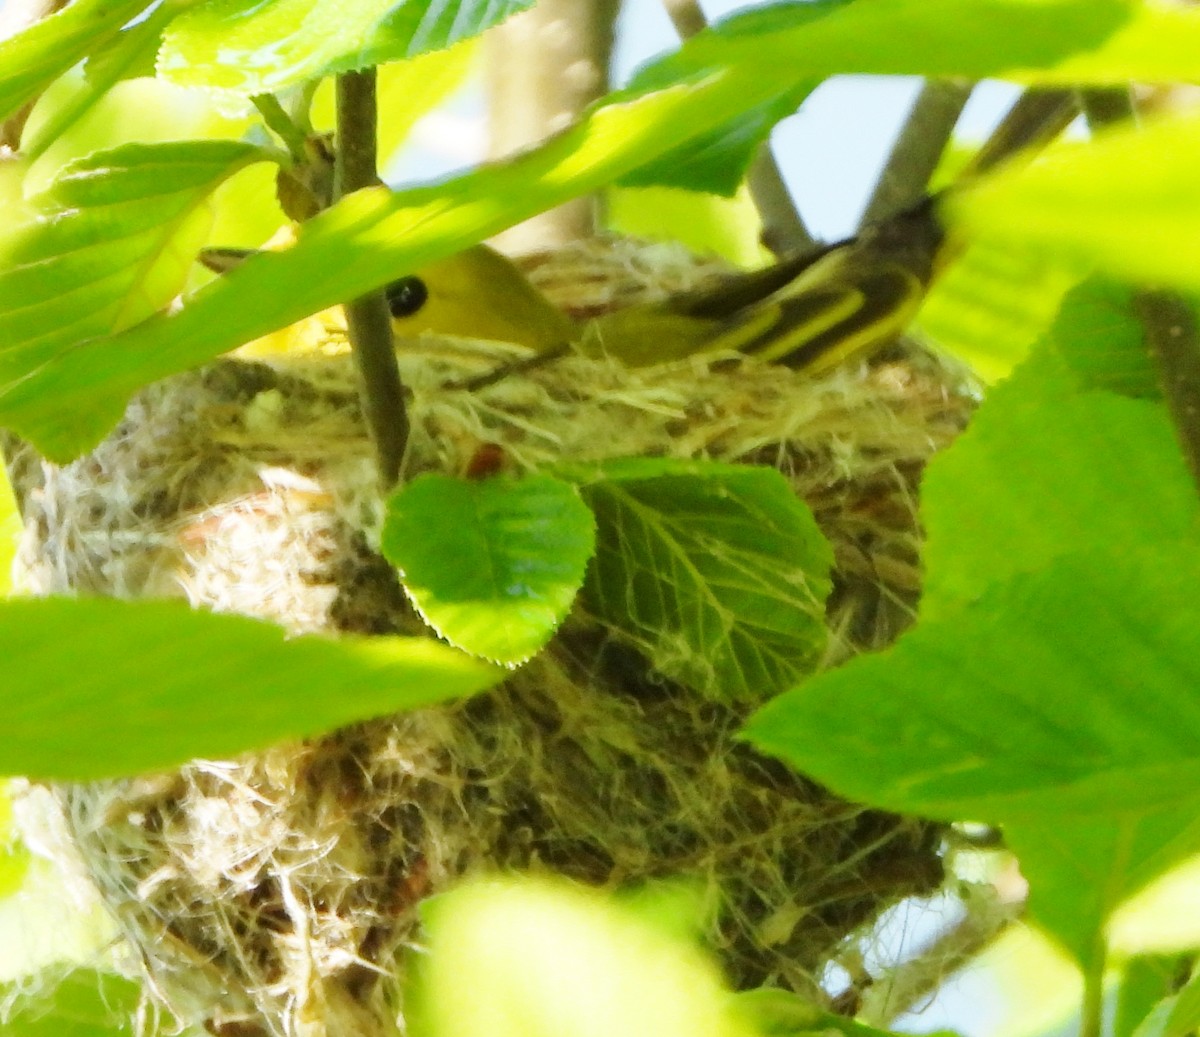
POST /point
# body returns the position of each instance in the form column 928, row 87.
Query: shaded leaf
column 1102, row 341
column 717, row 573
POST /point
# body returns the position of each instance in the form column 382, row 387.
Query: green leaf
column 130, row 53
column 116, row 234
column 359, row 244
column 1040, row 473
column 1080, row 869
column 261, row 46
column 1102, row 341
column 1146, row 981
column 83, row 1003
column 33, row 59
column 515, row 957
column 102, row 687
column 1176, row 1016
column 992, row 304
column 718, row 573
column 1063, row 41
column 793, row 47
column 1125, row 203
column 10, row 533
column 1069, row 691
column 704, row 223
column 14, row 854
column 492, row 565
column 773, row 1012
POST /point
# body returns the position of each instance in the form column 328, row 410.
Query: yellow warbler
column 810, row 311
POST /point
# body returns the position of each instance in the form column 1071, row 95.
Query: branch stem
column 367, row 319
column 1037, row 118
column 783, row 229
column 905, row 177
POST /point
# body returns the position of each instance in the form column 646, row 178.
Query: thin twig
column 367, row 319
column 686, row 16
column 987, row 916
column 1104, row 106
column 904, row 180
column 783, row 229
column 1037, row 118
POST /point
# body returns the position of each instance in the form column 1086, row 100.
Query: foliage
column 1049, row 688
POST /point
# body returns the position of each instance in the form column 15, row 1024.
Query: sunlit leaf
column 1080, row 869
column 535, row 958
column 82, row 1003
column 1067, row 692
column 1125, row 203
column 129, row 54
column 123, row 687
column 705, row 223
column 361, row 243
column 31, row 60
column 992, row 304
column 253, row 47
column 1067, row 41
column 492, row 565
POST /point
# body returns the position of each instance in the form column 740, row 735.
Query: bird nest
column 277, row 893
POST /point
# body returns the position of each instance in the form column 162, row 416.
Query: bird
column 811, row 311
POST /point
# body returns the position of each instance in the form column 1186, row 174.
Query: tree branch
column 545, row 66
column 783, row 228
column 987, row 915
column 1037, row 118
column 368, row 320
column 905, row 177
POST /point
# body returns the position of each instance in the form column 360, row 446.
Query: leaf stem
column 281, row 124
column 783, row 228
column 1091, row 1011
column 367, row 319
column 905, row 177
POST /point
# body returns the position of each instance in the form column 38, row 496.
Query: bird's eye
column 406, row 296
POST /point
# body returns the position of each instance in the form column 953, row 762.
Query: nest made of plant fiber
column 278, row 892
